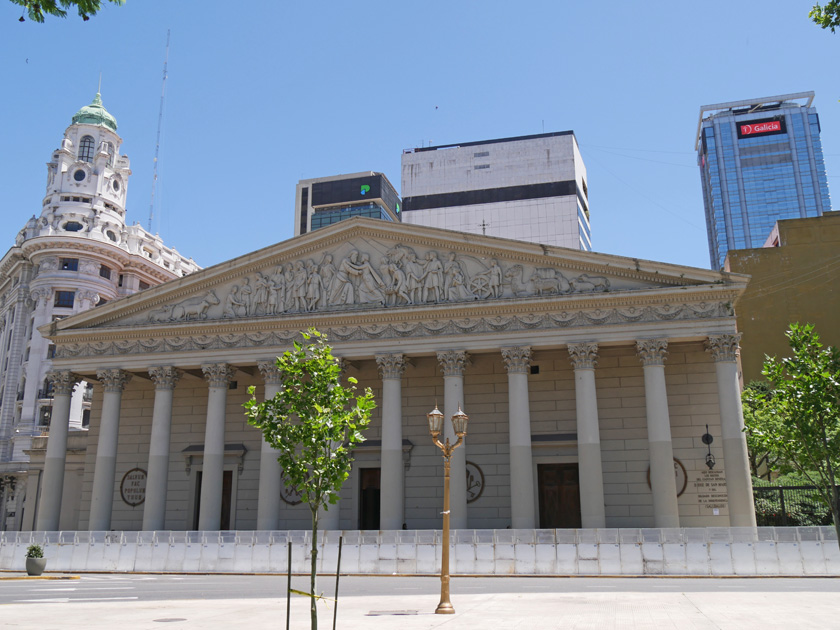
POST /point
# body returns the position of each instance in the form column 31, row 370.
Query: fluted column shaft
column 724, row 349
column 663, row 483
column 157, row 481
column 218, row 376
column 271, row 474
column 102, row 495
column 52, row 481
column 592, row 511
column 453, row 364
column 392, row 471
column 522, row 504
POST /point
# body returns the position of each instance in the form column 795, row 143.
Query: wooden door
column 227, row 494
column 369, row 498
column 559, row 495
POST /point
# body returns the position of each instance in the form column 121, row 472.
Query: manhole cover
column 377, row 613
column 169, row 619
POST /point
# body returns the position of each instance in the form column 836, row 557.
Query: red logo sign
column 762, row 127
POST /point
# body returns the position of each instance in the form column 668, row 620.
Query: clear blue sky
column 262, row 94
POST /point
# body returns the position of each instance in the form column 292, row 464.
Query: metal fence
column 790, row 506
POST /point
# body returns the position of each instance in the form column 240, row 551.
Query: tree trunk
column 313, row 610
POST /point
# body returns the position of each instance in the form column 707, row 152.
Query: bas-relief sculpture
column 400, row 278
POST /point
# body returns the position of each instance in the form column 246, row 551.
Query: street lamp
column 459, row 423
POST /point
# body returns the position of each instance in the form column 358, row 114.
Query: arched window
column 110, row 149
column 86, row 149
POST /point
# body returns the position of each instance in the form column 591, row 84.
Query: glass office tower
column 760, row 161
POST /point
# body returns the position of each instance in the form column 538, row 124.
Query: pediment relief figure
column 372, row 274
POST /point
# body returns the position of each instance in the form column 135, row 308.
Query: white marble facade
column 612, row 366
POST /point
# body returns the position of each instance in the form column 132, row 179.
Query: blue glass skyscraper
column 760, row 161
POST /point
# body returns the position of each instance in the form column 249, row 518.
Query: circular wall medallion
column 475, row 482
column 133, row 487
column 290, row 496
column 79, row 175
column 679, row 473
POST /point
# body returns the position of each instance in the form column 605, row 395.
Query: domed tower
column 77, row 254
column 87, row 179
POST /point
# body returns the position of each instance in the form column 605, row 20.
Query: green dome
column 95, row 114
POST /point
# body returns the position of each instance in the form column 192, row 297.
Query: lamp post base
column 445, row 608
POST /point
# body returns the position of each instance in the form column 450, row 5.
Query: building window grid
column 86, row 148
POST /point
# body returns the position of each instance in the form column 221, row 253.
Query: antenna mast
column 157, row 143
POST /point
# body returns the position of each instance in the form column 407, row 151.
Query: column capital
column 218, row 374
column 391, row 366
column 584, row 356
column 452, row 362
column 113, row 380
column 270, row 372
column 63, row 382
column 724, row 347
column 165, row 377
column 517, row 359
column 652, row 351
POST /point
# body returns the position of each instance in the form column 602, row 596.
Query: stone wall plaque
column 711, row 490
column 133, row 487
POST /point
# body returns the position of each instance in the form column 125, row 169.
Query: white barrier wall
column 791, row 551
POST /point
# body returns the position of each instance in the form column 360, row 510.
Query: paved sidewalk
column 737, row 610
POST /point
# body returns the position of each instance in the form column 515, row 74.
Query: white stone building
column 76, row 253
column 530, row 188
column 589, row 380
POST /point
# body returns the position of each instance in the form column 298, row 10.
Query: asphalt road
column 150, row 588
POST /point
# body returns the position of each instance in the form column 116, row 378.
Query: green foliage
column 313, row 424
column 38, row 9
column 799, row 423
column 754, row 400
column 34, row 551
column 827, row 16
column 802, row 507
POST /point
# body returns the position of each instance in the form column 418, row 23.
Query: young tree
column 37, row 9
column 754, row 401
column 313, row 423
column 800, row 422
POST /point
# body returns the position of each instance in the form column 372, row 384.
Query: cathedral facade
column 590, row 382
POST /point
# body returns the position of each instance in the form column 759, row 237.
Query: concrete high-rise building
column 530, row 188
column 760, row 161
column 322, row 201
column 77, row 253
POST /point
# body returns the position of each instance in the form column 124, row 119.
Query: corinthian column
column 453, row 363
column 102, row 498
column 663, row 482
column 52, row 485
column 218, row 376
column 724, row 350
column 154, row 508
column 392, row 472
column 522, row 511
column 271, row 475
column 584, row 356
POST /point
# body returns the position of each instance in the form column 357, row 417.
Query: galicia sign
column 761, row 128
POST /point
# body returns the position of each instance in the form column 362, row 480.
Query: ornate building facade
column 76, row 254
column 590, row 381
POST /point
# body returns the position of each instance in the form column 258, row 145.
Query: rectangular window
column 479, row 167
column 51, row 351
column 44, row 416
column 86, row 418
column 120, row 281
column 481, row 154
column 68, row 264
column 64, row 299
column 105, row 272
column 143, row 285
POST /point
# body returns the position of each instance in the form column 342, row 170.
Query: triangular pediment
column 364, row 265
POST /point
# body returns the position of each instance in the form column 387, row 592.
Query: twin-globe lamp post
column 459, row 423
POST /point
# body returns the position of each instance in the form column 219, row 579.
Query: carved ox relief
column 397, row 276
